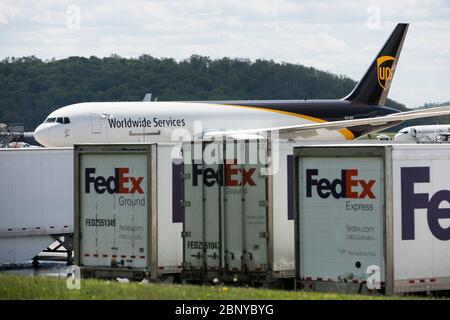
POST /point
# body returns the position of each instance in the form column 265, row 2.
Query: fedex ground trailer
column 127, row 211
column 373, row 217
column 238, row 209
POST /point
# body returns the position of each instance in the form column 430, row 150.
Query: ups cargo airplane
column 358, row 114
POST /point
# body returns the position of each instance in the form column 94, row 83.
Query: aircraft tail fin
column 373, row 88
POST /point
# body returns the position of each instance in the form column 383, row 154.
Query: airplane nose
column 42, row 135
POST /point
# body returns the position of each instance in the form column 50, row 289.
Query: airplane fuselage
column 424, row 133
column 137, row 122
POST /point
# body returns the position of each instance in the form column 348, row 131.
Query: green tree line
column 31, row 88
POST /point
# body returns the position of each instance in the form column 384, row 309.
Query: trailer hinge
column 185, row 203
column 185, row 176
column 263, row 203
column 214, row 256
column 264, row 235
column 198, row 255
column 185, row 234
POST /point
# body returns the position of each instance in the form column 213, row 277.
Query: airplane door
column 96, row 123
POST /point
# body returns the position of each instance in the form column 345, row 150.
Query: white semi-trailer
column 373, row 217
column 127, row 210
column 238, row 211
column 36, row 200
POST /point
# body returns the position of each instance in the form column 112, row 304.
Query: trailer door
column 114, row 210
column 193, row 211
column 201, row 231
column 245, row 207
column 341, row 217
column 211, row 178
column 255, row 208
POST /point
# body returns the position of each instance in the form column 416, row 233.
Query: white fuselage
column 425, row 133
column 137, row 122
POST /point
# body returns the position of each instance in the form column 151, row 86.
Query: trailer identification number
column 203, row 245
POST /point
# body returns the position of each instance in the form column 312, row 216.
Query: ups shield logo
column 384, row 71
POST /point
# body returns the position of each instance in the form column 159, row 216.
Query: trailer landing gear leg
column 69, row 258
column 35, row 262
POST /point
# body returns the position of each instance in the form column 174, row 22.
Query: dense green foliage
column 31, row 88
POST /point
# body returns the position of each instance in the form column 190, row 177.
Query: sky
column 342, row 37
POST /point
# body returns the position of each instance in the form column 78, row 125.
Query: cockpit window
column 62, row 120
column 403, row 132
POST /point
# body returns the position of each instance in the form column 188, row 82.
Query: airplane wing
column 303, row 129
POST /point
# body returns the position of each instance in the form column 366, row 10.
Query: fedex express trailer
column 238, row 211
column 36, row 201
column 373, row 217
column 127, row 211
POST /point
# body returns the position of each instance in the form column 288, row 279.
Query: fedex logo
column 431, row 203
column 348, row 186
column 121, row 182
column 229, row 178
